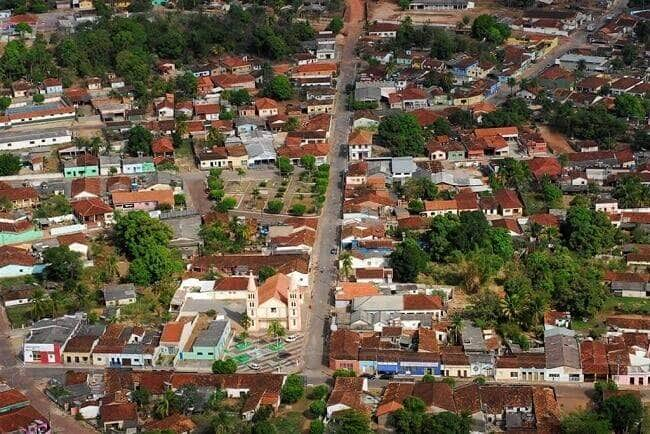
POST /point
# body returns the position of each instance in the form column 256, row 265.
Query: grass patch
column 243, row 346
column 19, row 316
column 627, row 305
column 242, row 359
column 276, row 346
column 184, row 150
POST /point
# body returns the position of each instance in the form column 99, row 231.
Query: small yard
column 19, row 316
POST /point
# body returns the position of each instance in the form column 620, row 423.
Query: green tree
column 319, row 392
column 225, row 366
column 588, row 232
column 408, row 260
column 186, row 85
column 139, row 141
column 308, row 162
column 552, row 193
column 22, row 29
column 298, row 209
column 140, row 6
column 155, row 264
column 141, row 396
column 5, row 102
column 317, row 408
column 226, row 204
column 345, row 260
column 280, row 88
column 285, row 166
column 292, row 124
column 402, row 134
column 38, row 98
column 585, row 422
column 274, row 206
column 630, row 106
column 336, row 25
column 316, row 426
column 486, row 27
column 276, row 330
column 415, row 206
column 39, row 302
column 631, row 193
column 420, row 188
column 293, row 389
column 64, row 265
column 350, row 422
column 168, row 404
column 239, row 97
column 441, row 127
column 344, row 373
column 135, row 231
column 54, row 205
column 624, row 412
column 266, row 272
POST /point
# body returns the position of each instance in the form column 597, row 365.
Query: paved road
column 324, row 268
column 575, row 40
column 31, row 383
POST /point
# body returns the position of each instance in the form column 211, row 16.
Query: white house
column 562, row 356
column 12, row 140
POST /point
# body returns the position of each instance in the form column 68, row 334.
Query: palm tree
column 346, row 263
column 111, row 268
column 245, row 322
column 39, row 303
column 511, row 306
column 276, row 330
column 511, row 83
column 56, row 302
column 456, row 327
column 165, row 405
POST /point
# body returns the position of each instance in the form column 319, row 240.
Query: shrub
column 317, row 408
column 226, row 366
column 319, row 392
column 316, row 427
column 298, row 209
column 274, row 206
column 293, row 389
column 226, row 204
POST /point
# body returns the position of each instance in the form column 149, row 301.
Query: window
column 514, row 375
column 274, row 310
column 632, row 380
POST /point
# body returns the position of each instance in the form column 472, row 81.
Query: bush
column 274, row 206
column 226, row 204
column 293, row 389
column 263, row 184
column 316, row 427
column 317, row 408
column 319, row 392
column 225, row 366
column 298, row 209
column 344, row 373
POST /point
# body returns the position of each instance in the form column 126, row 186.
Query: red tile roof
column 93, row 206
column 117, row 412
column 422, row 302
column 10, row 255
column 162, row 145
column 90, row 185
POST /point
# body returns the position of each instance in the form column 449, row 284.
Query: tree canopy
column 401, row 133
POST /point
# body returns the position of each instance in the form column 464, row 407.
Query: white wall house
column 29, row 139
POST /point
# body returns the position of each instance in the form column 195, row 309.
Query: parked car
column 291, row 338
column 254, row 366
column 386, row 376
column 284, row 355
column 333, row 251
column 368, row 376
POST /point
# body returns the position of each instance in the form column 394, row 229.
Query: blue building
column 399, row 362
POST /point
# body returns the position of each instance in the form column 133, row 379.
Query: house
column 277, row 299
column 92, row 210
column 436, row 5
column 433, row 208
column 348, row 291
column 142, row 200
column 376, row 312
column 132, row 165
column 383, row 30
column 15, row 262
column 83, row 165
column 15, row 227
column 266, row 107
column 347, row 394
column 544, row 166
column 83, row 188
column 110, row 165
column 46, row 339
column 593, row 64
column 360, row 144
column 175, row 335
column 17, row 415
column 76, row 242
column 234, row 81
column 207, row 343
column 119, row 294
column 619, row 324
column 19, row 197
column 437, row 397
column 52, row 85
column 119, row 416
column 629, row 284
column 79, row 347
column 319, row 106
column 520, row 367
column 125, row 345
column 593, row 359
column 314, row 70
column 165, row 108
column 591, row 84
column 162, row 149
column 208, row 112
column 624, row 85
column 562, row 356
column 411, row 98
column 508, row 202
column 455, row 362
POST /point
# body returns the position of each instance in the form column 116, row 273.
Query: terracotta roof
column 507, row 199
column 90, row 185
column 315, row 67
column 547, row 411
column 421, row 302
column 467, row 398
column 540, row 166
column 522, row 360
column 19, row 420
column 80, row 344
column 118, row 183
column 348, row 391
column 12, row 397
column 286, row 263
column 467, row 200
column 547, row 220
column 344, row 345
column 206, row 109
column 14, row 256
column 350, row 290
column 265, row 104
column 276, row 286
column 90, row 207
column 172, row 331
column 127, row 197
column 427, row 340
column 593, row 358
column 556, row 72
column 78, row 238
column 176, row 423
column 425, row 117
column 413, row 223
column 232, row 80
column 455, row 356
column 306, row 237
column 508, row 224
column 440, row 205
column 162, row 145
column 19, row 193
column 116, row 412
column 360, row 137
column 592, row 83
column 500, row 131
column 637, row 322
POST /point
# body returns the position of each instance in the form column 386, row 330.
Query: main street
column 323, row 263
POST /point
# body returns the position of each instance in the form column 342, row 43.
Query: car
column 291, row 338
column 333, row 251
column 254, row 366
column 368, row 376
column 284, row 355
column 386, row 376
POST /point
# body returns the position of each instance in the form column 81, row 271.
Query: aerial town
column 324, row 216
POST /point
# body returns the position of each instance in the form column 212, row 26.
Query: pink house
column 142, row 200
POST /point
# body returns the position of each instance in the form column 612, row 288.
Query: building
column 209, row 343
column 436, row 5
column 17, row 415
column 520, row 367
column 15, row 262
column 562, row 356
column 132, row 165
column 119, row 294
column 46, row 339
column 277, row 299
column 83, row 165
column 10, row 140
column 142, row 200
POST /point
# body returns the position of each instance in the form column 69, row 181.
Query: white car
column 254, row 366
column 291, row 338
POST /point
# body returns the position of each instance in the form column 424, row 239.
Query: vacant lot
column 556, row 141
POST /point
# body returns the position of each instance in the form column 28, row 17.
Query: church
column 277, row 299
